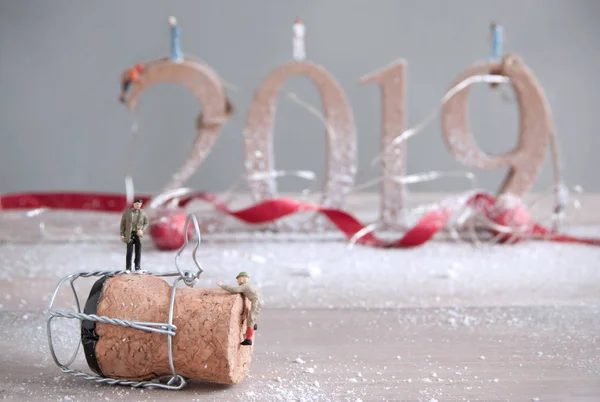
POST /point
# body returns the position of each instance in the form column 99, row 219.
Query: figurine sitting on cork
column 249, row 290
column 133, row 225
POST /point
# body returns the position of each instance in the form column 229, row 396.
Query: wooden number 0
column 341, row 133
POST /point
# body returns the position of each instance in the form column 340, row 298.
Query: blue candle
column 497, row 33
column 176, row 53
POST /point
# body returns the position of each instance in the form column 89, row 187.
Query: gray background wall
column 62, row 128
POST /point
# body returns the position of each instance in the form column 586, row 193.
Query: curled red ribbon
column 272, row 210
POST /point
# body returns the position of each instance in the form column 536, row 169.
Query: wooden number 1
column 391, row 80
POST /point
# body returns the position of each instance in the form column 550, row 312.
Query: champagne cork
column 210, row 325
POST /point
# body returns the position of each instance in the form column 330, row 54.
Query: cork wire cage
column 189, row 278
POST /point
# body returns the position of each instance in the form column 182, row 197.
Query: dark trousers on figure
column 134, row 242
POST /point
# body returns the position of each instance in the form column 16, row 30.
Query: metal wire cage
column 189, row 278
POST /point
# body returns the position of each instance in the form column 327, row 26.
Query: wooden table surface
column 444, row 322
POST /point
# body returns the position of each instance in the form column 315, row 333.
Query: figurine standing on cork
column 299, row 48
column 133, row 224
column 249, row 290
column 176, row 53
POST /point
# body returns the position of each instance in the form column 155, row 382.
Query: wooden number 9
column 526, row 159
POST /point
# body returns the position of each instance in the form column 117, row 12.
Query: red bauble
column 510, row 211
column 167, row 228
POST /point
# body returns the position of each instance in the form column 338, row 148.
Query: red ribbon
column 272, row 210
column 67, row 201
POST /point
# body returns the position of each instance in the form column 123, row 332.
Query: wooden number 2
column 206, row 86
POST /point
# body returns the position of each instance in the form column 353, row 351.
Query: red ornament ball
column 167, row 229
column 510, row 211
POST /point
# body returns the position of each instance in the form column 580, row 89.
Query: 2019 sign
column 525, row 160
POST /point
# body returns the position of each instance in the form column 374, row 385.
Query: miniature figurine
column 253, row 294
column 133, row 224
column 130, row 75
column 496, row 39
column 176, row 53
column 299, row 48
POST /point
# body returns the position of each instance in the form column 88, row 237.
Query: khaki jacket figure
column 133, row 224
column 133, row 220
column 249, row 290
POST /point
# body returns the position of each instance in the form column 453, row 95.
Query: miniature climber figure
column 298, row 42
column 133, row 224
column 176, row 53
column 253, row 294
column 130, row 75
column 496, row 39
